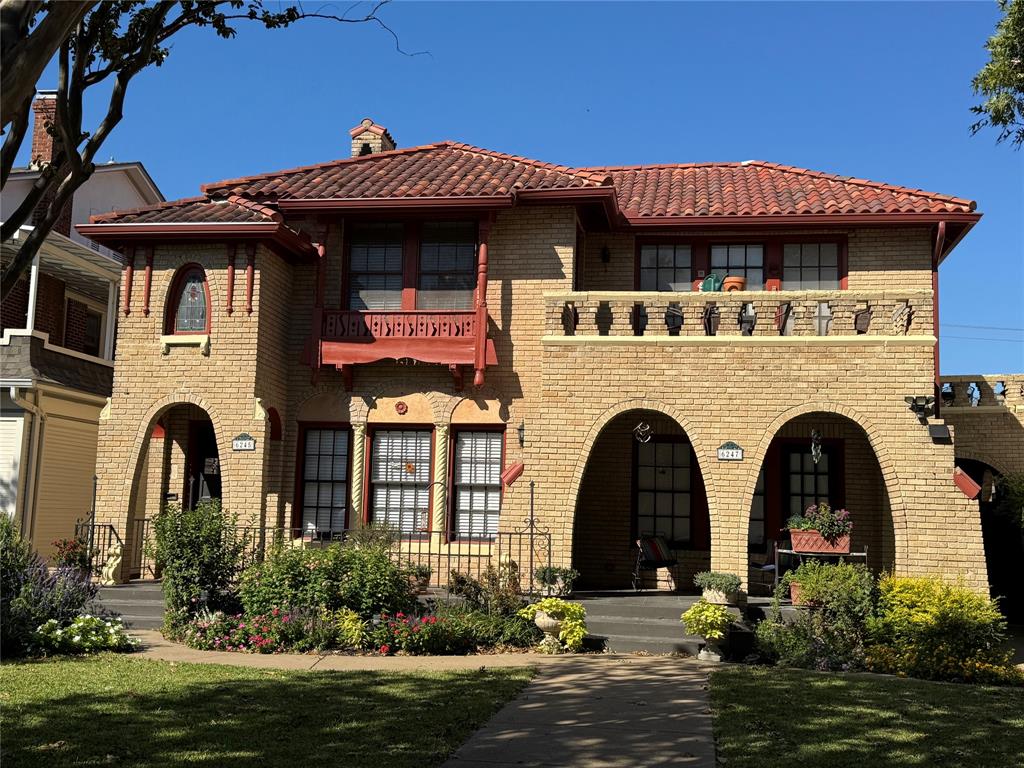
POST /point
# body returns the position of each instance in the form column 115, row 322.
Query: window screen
column 400, row 479
column 810, row 266
column 663, row 490
column 477, row 483
column 447, row 265
column 375, row 266
column 741, row 261
column 325, row 479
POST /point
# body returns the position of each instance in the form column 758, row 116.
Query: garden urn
column 548, row 624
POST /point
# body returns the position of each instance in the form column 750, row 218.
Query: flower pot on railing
column 734, row 283
column 812, row 542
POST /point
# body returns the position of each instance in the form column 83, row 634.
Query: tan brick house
column 437, row 337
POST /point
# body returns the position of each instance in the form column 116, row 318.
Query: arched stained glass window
column 189, row 302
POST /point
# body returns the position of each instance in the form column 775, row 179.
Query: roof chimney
column 44, row 109
column 368, row 138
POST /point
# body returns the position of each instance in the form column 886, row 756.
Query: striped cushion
column 655, row 548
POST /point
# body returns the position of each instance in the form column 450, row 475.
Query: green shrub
column 1010, row 497
column 934, row 630
column 830, row 633
column 572, row 616
column 362, row 578
column 494, row 630
column 31, row 595
column 707, row 620
column 292, row 577
column 496, row 591
column 351, row 631
column 86, row 634
column 199, row 552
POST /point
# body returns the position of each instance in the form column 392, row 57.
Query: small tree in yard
column 1001, row 81
column 200, row 555
column 96, row 43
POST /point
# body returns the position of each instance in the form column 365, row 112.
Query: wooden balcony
column 447, row 337
column 580, row 317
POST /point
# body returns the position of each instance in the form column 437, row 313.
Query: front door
column 204, row 463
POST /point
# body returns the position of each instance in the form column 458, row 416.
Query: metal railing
column 99, row 539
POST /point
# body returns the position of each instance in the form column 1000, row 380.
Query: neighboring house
column 475, row 347
column 56, row 350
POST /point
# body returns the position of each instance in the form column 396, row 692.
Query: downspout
column 28, row 505
column 940, row 244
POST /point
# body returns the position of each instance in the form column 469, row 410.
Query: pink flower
column 284, row 619
column 385, row 650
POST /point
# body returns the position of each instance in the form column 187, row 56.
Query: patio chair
column 652, row 553
column 762, row 569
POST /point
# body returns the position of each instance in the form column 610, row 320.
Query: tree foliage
column 1001, row 81
column 98, row 43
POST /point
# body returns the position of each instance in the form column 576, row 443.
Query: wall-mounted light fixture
column 921, row 405
column 521, row 432
column 606, row 255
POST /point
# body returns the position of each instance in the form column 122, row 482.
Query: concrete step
column 625, row 627
column 635, row 644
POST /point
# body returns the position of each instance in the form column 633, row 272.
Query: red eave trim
column 281, row 237
column 478, row 202
column 605, row 195
column 797, row 219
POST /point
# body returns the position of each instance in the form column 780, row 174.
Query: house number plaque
column 244, row 442
column 730, row 452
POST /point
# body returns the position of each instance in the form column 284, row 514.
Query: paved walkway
column 607, row 711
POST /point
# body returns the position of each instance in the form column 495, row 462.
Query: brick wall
column 50, row 308
column 74, row 325
column 14, row 308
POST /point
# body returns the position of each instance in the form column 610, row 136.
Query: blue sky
column 875, row 90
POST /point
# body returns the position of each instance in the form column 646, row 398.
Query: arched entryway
column 814, row 457
column 1003, row 539
column 642, row 477
column 179, row 463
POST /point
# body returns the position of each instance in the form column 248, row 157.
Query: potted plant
column 419, row 576
column 821, row 530
column 719, row 588
column 562, row 622
column 711, row 622
column 557, row 581
column 734, row 283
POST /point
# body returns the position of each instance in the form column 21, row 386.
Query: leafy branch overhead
column 95, row 43
column 1001, row 81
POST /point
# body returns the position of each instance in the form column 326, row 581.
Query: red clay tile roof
column 454, row 170
column 757, row 188
column 194, row 210
column 446, row 169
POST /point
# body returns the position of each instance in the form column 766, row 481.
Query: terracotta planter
column 794, row 593
column 733, row 283
column 813, row 542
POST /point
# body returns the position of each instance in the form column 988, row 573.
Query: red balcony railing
column 449, row 337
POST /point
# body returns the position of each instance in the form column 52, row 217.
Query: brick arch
column 982, row 457
column 883, row 456
column 358, row 406
column 212, row 281
column 700, row 450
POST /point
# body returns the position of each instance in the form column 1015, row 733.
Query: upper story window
column 447, row 265
column 810, row 266
column 375, row 264
column 189, row 302
column 666, row 267
column 740, row 261
column 93, row 336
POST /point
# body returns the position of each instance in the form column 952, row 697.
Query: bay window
column 400, row 470
column 477, row 484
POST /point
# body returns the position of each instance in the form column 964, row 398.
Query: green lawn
column 121, row 711
column 768, row 718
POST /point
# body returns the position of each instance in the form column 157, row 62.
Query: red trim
column 371, row 430
column 965, row 483
column 300, row 467
column 250, row 274
column 456, row 429
column 158, row 431
column 129, row 275
column 148, row 282
column 230, row 301
column 174, row 298
column 283, row 240
column 940, row 242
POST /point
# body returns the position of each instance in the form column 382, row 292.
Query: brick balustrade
column 906, row 312
column 977, row 391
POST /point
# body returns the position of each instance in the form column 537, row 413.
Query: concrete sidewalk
column 601, row 713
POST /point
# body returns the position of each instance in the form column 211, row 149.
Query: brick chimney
column 44, row 110
column 368, row 138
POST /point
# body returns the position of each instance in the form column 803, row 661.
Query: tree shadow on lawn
column 223, row 716
column 767, row 717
